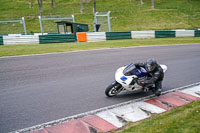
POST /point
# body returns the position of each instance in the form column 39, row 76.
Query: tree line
column 40, row 2
column 40, row 5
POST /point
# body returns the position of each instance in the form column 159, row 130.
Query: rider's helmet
column 150, row 65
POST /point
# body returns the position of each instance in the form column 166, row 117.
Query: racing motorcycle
column 126, row 79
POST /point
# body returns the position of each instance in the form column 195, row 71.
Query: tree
column 40, row 5
column 94, row 6
column 52, row 3
column 31, row 4
column 152, row 4
column 87, row 1
column 82, row 6
column 141, row 1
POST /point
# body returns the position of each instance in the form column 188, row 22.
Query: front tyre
column 113, row 89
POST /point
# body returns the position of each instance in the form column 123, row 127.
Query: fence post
column 95, row 22
column 23, row 22
column 40, row 20
column 73, row 19
column 109, row 27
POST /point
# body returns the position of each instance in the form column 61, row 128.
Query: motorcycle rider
column 155, row 75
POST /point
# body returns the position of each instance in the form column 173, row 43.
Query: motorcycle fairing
column 123, row 78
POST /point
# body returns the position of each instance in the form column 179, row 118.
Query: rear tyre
column 113, row 89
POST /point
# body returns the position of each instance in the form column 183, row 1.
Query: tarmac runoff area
column 116, row 116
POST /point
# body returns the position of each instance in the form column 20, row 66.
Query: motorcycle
column 126, row 79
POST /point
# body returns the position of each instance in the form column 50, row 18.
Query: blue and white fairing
column 132, row 70
column 126, row 75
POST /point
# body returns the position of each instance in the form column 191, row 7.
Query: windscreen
column 132, row 70
column 128, row 70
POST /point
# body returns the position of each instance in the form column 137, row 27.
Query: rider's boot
column 157, row 89
column 158, row 92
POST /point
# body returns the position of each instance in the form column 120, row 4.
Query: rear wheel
column 113, row 89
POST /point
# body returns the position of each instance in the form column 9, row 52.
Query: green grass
column 12, row 50
column 126, row 15
column 184, row 119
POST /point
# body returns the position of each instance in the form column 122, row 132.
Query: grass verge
column 13, row 50
column 185, row 119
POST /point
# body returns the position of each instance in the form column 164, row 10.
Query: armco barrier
column 1, row 40
column 20, row 39
column 184, row 33
column 37, row 34
column 96, row 36
column 143, row 34
column 14, row 34
column 57, row 38
column 118, row 35
column 197, row 33
column 164, row 33
column 38, row 38
column 3, row 34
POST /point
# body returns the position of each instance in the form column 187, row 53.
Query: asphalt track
column 42, row 88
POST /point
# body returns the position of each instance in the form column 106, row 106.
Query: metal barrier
column 40, row 20
column 96, row 20
column 13, row 21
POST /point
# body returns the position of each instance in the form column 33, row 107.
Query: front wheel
column 113, row 89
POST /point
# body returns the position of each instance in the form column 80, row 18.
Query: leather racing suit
column 153, row 77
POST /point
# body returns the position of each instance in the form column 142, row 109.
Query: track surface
column 42, row 88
